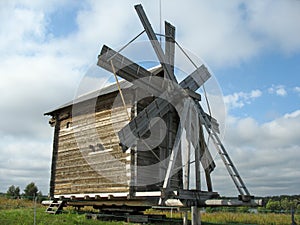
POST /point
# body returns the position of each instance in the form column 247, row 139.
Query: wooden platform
column 134, row 218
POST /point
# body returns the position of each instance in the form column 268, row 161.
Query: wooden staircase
column 55, row 207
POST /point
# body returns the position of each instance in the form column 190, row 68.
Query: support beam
column 54, row 155
column 208, row 181
column 175, row 202
column 176, row 146
column 185, row 218
column 197, row 169
column 170, row 136
column 195, row 214
column 233, row 202
column 187, row 150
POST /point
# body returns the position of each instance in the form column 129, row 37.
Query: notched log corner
column 52, row 121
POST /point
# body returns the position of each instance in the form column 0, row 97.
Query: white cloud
column 274, row 22
column 235, row 31
column 281, row 92
column 25, row 160
column 239, row 99
column 297, row 90
column 278, row 90
column 255, row 94
column 292, row 115
column 267, row 155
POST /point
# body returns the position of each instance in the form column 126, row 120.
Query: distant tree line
column 276, row 204
column 31, row 191
column 282, row 203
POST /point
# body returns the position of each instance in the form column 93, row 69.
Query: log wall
column 89, row 159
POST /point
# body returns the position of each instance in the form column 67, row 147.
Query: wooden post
column 197, row 158
column 195, row 216
column 54, row 155
column 293, row 216
column 185, row 218
column 187, row 150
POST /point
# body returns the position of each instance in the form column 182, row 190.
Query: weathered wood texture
column 89, row 159
column 54, row 154
column 153, row 162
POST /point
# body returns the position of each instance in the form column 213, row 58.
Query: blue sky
column 268, row 73
column 252, row 48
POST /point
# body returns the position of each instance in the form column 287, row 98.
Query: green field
column 22, row 212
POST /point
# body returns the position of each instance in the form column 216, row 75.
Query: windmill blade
column 205, row 155
column 208, row 120
column 139, row 125
column 170, row 44
column 196, row 79
column 196, row 138
column 114, row 62
column 129, row 134
column 208, row 181
column 124, row 67
column 206, row 158
column 155, row 43
column 213, row 123
column 177, row 144
column 192, row 83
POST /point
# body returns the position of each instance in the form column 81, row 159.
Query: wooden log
column 195, row 214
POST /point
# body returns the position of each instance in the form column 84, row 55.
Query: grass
column 235, row 218
column 247, row 218
column 21, row 212
column 25, row 217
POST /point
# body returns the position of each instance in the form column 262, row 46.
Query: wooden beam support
column 195, row 214
column 170, row 44
column 54, row 155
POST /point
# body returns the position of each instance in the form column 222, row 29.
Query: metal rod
column 125, row 46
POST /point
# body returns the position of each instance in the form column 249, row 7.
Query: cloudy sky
column 252, row 48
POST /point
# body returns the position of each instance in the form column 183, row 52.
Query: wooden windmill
column 140, row 142
column 178, row 105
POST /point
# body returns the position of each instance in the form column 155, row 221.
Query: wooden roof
column 95, row 94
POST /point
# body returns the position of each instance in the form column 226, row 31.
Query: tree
column 286, row 204
column 13, row 191
column 31, row 190
column 273, row 205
